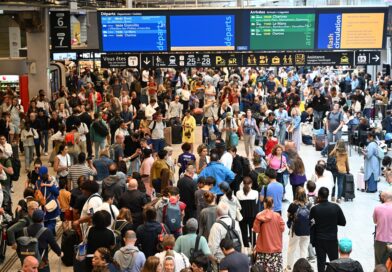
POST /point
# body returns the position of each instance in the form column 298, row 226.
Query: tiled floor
column 358, row 213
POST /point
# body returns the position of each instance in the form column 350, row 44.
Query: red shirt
column 270, row 145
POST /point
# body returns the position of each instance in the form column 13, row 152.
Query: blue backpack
column 301, row 221
column 234, row 139
column 173, row 216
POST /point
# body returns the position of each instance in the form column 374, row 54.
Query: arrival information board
column 281, row 31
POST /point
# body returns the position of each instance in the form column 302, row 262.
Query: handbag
column 81, row 249
column 51, row 205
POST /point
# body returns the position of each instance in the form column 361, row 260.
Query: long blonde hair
column 340, row 147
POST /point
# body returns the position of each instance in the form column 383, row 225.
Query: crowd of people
column 125, row 203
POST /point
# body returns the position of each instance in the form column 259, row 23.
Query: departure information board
column 236, row 30
column 279, row 30
column 133, row 33
column 202, row 32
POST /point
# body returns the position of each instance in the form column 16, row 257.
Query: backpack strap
column 153, row 126
column 25, row 231
column 122, row 226
column 197, row 242
column 40, row 232
column 111, row 211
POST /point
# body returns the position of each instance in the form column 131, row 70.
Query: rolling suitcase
column 361, row 181
column 320, row 142
column 176, row 133
column 348, row 187
column 68, row 242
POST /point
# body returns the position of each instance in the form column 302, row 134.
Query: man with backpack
column 26, row 221
column 36, row 240
column 129, row 258
column 334, row 126
column 173, row 211
column 192, row 245
column 240, row 167
column 224, row 227
column 157, row 127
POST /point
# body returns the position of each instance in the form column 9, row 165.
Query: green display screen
column 282, row 31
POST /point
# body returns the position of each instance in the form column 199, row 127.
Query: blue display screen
column 202, row 32
column 329, row 31
column 133, row 33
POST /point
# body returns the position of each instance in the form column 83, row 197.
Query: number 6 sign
column 60, row 30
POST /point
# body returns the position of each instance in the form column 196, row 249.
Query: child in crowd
column 64, row 202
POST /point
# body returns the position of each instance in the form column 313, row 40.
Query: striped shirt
column 77, row 170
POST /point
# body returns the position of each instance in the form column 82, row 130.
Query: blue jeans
column 44, row 140
column 51, row 225
column 158, row 144
column 29, row 156
column 97, row 147
column 339, row 177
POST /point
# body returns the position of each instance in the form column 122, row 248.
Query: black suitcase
column 68, row 242
column 176, row 134
column 348, row 187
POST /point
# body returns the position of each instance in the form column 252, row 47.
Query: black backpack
column 331, row 164
column 232, row 234
column 100, row 129
column 28, row 245
column 196, row 252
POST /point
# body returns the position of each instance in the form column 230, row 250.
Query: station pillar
column 38, row 57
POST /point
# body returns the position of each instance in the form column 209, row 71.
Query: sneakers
column 338, row 200
column 46, row 154
column 333, row 199
column 312, row 259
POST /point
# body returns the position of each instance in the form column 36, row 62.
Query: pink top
column 382, row 217
column 145, row 168
column 274, row 161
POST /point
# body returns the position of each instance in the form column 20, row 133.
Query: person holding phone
column 277, row 162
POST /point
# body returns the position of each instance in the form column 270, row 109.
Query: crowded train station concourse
column 195, row 136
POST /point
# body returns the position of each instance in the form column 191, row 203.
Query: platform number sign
column 60, row 30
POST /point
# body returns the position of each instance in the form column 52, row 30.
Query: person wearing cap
column 344, row 263
column 186, row 243
column 45, row 239
column 226, row 127
column 281, row 117
column 50, row 191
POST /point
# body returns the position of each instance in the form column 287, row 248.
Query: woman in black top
column 99, row 235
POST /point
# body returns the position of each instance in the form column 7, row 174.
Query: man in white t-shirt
column 93, row 203
column 157, row 133
column 322, row 180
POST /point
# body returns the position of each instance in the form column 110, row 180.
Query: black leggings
column 246, row 225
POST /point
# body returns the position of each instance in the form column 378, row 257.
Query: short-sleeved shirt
column 6, row 163
column 234, row 262
column 118, row 152
column 276, row 162
column 274, row 190
column 185, row 243
column 334, row 119
column 184, row 159
column 157, row 132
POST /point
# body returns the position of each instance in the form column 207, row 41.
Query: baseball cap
column 345, row 245
column 43, row 170
column 259, row 151
column 38, row 215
